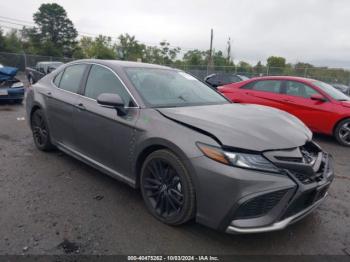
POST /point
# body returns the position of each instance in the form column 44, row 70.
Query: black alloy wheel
column 167, row 188
column 40, row 131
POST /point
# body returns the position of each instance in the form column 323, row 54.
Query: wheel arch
column 337, row 123
column 151, row 146
column 34, row 108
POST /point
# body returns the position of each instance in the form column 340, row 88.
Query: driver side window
column 102, row 80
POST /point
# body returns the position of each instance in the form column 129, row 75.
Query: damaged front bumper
column 310, row 192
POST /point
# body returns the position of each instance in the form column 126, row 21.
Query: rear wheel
column 167, row 188
column 342, row 132
column 40, row 131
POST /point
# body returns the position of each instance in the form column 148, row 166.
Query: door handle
column 80, row 106
column 49, row 93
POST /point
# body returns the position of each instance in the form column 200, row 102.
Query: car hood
column 251, row 127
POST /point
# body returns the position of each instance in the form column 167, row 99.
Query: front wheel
column 342, row 132
column 40, row 131
column 167, row 188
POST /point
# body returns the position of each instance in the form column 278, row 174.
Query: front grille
column 316, row 177
column 306, row 178
column 260, row 205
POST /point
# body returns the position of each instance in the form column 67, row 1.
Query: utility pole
column 210, row 58
column 229, row 50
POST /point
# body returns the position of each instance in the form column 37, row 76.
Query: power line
column 21, row 22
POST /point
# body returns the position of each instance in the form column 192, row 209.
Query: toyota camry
column 194, row 155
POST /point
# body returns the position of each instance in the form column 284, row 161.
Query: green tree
column 101, row 47
column 168, row 54
column 54, row 29
column 276, row 64
column 244, row 67
column 152, row 54
column 2, row 40
column 129, row 48
column 259, row 68
column 194, row 57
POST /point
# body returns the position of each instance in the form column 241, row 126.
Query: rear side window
column 272, row 86
column 102, row 80
column 71, row 78
column 294, row 88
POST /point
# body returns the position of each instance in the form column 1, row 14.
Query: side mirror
column 318, row 97
column 113, row 101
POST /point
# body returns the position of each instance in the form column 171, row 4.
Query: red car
column 320, row 106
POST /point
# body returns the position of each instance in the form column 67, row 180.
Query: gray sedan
column 194, row 155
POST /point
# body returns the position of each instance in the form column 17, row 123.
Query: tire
column 40, row 129
column 167, row 188
column 342, row 132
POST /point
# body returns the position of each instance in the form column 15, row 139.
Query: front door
column 103, row 135
column 297, row 97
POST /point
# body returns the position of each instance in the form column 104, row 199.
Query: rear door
column 103, row 135
column 297, row 98
column 61, row 102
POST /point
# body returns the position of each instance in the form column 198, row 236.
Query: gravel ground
column 51, row 203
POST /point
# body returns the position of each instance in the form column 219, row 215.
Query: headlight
column 243, row 160
column 17, row 84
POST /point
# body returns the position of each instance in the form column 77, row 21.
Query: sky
column 314, row 31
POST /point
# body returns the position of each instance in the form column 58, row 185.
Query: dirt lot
column 51, row 203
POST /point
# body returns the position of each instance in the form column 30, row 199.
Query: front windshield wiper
column 343, row 99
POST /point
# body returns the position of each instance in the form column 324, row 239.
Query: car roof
column 50, row 62
column 295, row 78
column 122, row 64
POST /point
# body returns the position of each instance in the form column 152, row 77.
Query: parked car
column 320, row 106
column 40, row 70
column 11, row 89
column 221, row 79
column 194, row 154
column 343, row 88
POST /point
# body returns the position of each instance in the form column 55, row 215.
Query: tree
column 101, row 47
column 2, row 41
column 194, row 57
column 276, row 64
column 244, row 67
column 168, row 54
column 55, row 30
column 152, row 54
column 258, row 68
column 129, row 48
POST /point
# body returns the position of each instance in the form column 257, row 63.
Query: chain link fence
column 23, row 60
column 329, row 75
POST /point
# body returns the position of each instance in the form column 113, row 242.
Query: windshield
column 170, row 88
column 331, row 91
